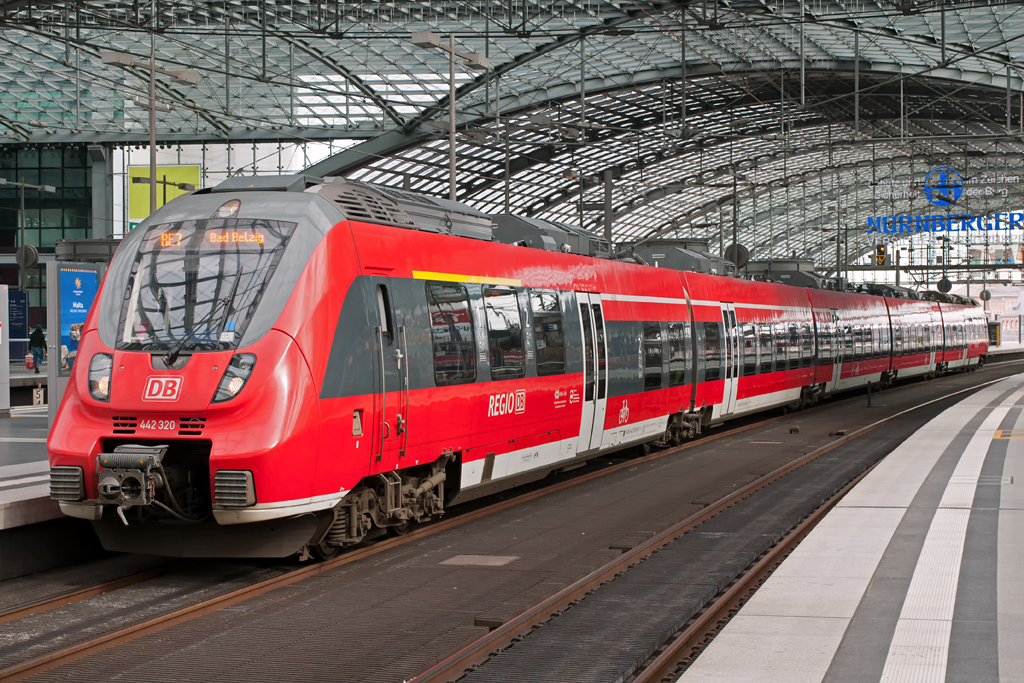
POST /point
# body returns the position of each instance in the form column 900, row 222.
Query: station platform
column 20, row 377
column 24, row 471
column 916, row 575
column 1005, row 348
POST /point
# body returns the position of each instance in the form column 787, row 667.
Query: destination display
column 174, row 239
column 216, row 235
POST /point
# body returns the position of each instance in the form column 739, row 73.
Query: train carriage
column 283, row 365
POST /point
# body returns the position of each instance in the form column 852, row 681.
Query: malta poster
column 77, row 291
column 167, row 187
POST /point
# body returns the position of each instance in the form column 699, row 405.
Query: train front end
column 191, row 407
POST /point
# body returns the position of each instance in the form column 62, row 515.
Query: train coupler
column 130, row 476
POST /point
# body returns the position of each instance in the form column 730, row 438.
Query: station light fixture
column 126, row 61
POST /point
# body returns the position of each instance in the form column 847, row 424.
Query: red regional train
column 288, row 365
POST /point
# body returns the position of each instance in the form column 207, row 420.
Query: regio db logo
column 506, row 404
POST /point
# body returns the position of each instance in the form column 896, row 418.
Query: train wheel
column 322, row 551
column 644, row 449
column 400, row 529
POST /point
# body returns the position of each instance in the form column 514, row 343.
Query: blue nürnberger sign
column 943, row 187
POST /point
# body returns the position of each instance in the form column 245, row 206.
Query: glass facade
column 65, row 214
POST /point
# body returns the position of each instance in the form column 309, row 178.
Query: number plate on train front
column 158, row 424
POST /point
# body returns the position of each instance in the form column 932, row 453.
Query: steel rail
column 67, row 655
column 475, row 654
column 52, row 602
column 715, row 616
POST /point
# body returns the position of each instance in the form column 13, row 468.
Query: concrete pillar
column 102, row 192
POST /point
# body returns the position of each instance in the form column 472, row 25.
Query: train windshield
column 199, row 281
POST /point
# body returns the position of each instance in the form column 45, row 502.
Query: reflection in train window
column 652, row 356
column 749, row 350
column 781, row 347
column 548, row 333
column 806, row 345
column 825, row 343
column 678, row 352
column 504, row 333
column 451, row 329
column 793, row 344
column 712, row 352
column 765, row 348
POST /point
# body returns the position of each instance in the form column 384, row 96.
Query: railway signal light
column 882, row 255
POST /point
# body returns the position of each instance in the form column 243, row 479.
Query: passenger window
column 807, row 345
column 678, row 353
column 712, row 352
column 780, row 346
column 749, row 350
column 765, row 348
column 548, row 333
column 824, row 344
column 652, row 356
column 451, row 329
column 793, row 342
column 504, row 333
column 384, row 311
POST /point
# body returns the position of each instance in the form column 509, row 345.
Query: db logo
column 503, row 404
column 624, row 413
column 162, row 388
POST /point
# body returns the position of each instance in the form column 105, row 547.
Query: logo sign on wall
column 77, row 292
column 138, row 193
column 943, row 186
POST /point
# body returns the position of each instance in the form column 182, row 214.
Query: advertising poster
column 77, row 291
column 138, row 193
column 17, row 323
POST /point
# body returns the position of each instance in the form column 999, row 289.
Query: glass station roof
column 777, row 123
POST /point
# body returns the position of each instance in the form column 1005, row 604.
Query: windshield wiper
column 172, row 354
column 171, row 357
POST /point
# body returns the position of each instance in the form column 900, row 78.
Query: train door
column 595, row 371
column 391, row 378
column 733, row 351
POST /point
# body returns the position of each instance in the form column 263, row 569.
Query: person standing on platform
column 37, row 342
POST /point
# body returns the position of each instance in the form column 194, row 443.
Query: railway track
column 113, row 638
column 710, row 619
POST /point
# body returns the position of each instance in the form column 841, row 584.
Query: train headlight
column 235, row 377
column 228, row 209
column 99, row 376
